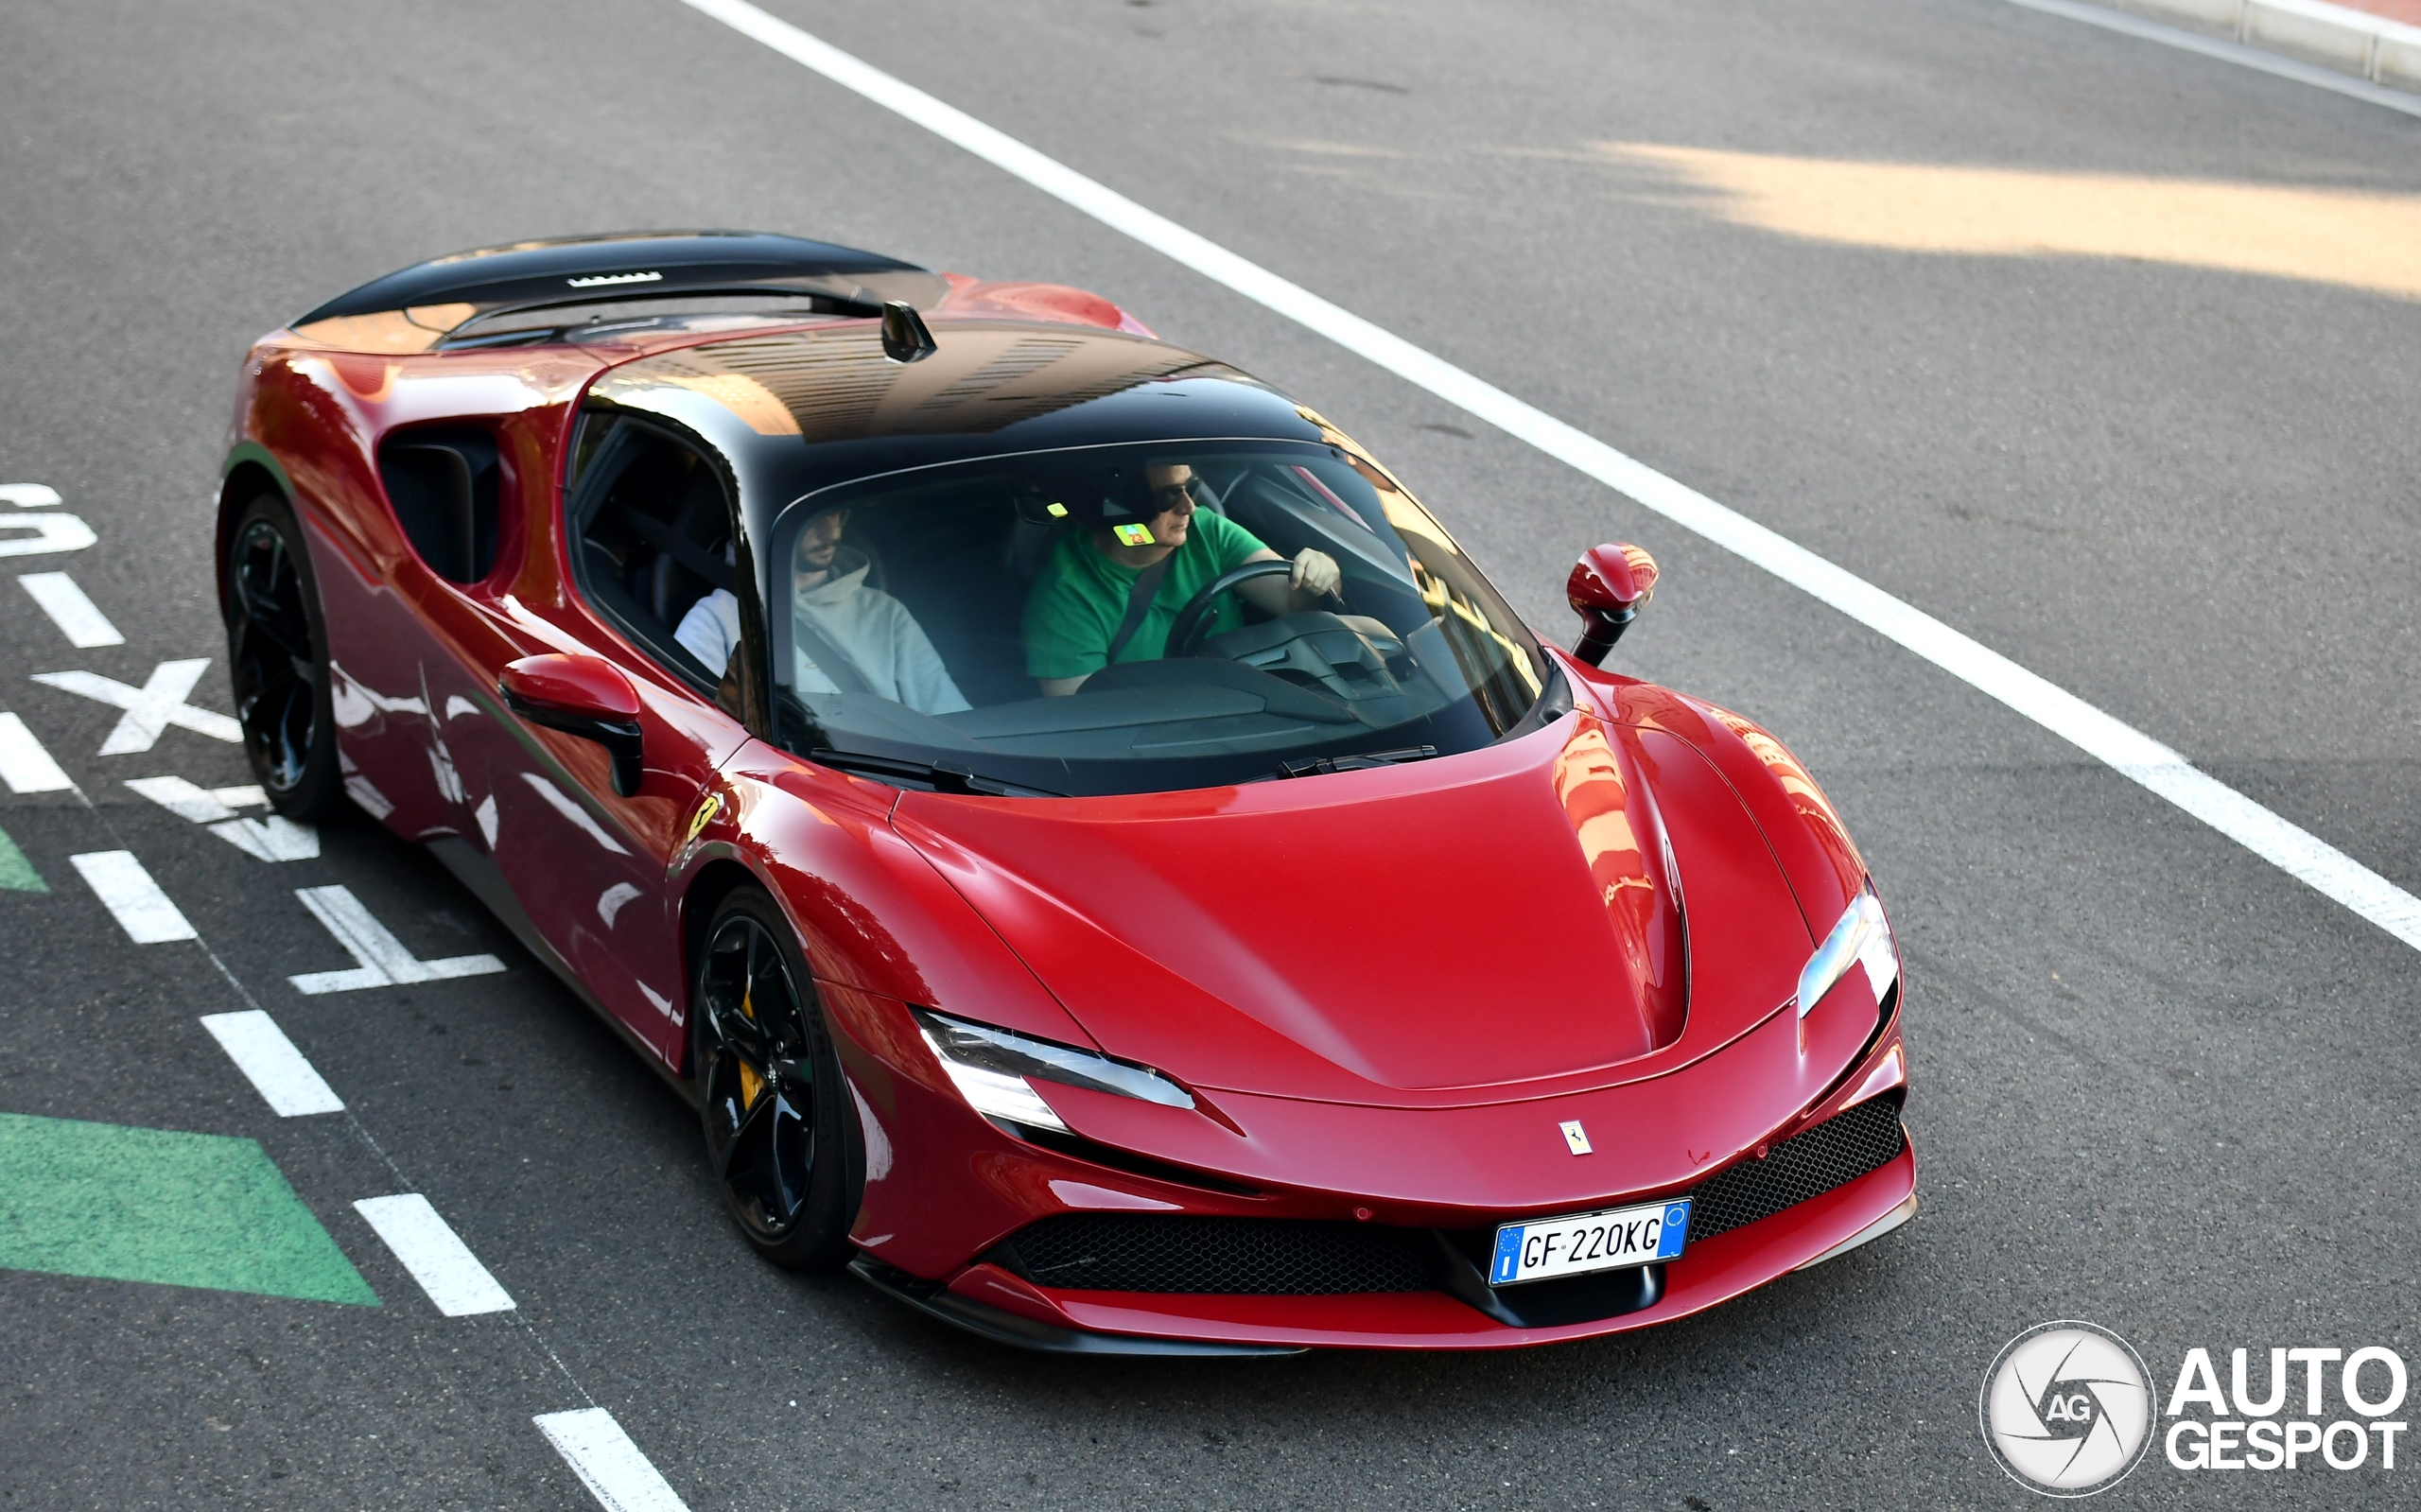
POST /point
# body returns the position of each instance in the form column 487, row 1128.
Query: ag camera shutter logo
column 2067, row 1408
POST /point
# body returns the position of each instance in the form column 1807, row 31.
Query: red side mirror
column 1607, row 589
column 586, row 696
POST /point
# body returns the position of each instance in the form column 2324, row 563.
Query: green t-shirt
column 1079, row 600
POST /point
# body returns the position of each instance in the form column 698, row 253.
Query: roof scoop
column 904, row 337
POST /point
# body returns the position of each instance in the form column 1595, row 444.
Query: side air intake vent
column 444, row 487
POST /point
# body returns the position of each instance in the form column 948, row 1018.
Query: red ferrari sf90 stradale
column 1105, row 864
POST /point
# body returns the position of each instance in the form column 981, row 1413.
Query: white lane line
column 2132, row 753
column 594, row 1445
column 435, row 1256
column 78, row 618
column 128, row 892
column 276, row 838
column 277, row 1070
column 24, row 766
column 383, row 960
column 149, row 709
column 2230, row 52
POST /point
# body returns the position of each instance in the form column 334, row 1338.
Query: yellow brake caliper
column 750, row 1083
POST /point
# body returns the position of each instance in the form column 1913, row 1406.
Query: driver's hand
column 1316, row 573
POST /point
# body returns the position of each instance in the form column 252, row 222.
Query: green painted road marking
column 153, row 1205
column 17, row 874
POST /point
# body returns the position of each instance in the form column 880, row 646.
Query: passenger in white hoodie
column 877, row 635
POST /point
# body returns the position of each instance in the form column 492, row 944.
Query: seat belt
column 1138, row 603
column 829, row 659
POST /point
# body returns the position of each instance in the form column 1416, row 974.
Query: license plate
column 1606, row 1240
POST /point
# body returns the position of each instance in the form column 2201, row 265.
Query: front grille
column 1288, row 1256
column 1833, row 1153
column 1232, row 1257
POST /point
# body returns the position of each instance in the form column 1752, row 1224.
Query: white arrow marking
column 383, row 962
column 149, row 709
column 29, row 496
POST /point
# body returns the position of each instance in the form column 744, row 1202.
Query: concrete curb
column 2384, row 52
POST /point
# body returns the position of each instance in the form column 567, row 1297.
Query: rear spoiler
column 583, row 270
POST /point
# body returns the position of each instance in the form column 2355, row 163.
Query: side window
column 447, row 491
column 651, row 526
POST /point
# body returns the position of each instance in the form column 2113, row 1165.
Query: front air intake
column 1833, row 1153
column 1223, row 1256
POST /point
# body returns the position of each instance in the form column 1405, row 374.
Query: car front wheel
column 774, row 1105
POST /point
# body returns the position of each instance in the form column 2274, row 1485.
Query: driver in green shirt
column 1080, row 598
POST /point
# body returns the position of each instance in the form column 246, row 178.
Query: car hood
column 1506, row 916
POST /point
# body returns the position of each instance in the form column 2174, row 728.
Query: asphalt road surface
column 2132, row 434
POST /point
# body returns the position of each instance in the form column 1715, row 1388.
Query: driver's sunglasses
column 1174, row 494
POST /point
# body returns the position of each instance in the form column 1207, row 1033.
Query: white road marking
column 24, row 766
column 2230, row 52
column 149, row 709
column 276, row 838
column 30, row 495
column 594, row 1445
column 2126, row 750
column 246, row 796
column 277, row 1070
column 78, row 618
column 51, row 533
column 128, row 892
column 182, row 799
column 435, row 1256
column 383, row 962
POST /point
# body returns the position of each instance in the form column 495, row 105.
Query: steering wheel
column 1186, row 633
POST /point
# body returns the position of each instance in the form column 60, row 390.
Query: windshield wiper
column 941, row 776
column 1360, row 760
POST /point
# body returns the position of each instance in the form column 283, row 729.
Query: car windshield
column 1137, row 618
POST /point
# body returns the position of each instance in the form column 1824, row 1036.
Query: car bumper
column 992, row 1301
column 985, row 1289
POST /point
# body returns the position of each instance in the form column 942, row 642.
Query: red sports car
column 1105, row 864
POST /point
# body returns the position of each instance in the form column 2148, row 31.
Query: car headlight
column 992, row 1068
column 1864, row 937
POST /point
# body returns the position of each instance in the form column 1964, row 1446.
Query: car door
column 584, row 865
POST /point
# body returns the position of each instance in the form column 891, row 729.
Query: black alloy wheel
column 778, row 1131
column 277, row 660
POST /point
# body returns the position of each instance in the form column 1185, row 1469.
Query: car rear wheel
column 773, row 1100
column 277, row 661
